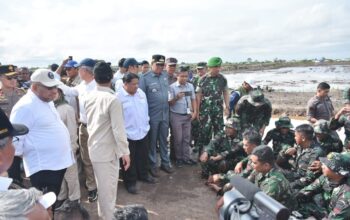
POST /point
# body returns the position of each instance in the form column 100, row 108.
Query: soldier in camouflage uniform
column 251, row 139
column 342, row 119
column 9, row 93
column 332, row 190
column 269, row 179
column 247, row 86
column 212, row 93
column 329, row 140
column 254, row 110
column 224, row 151
column 302, row 157
column 282, row 136
column 195, row 125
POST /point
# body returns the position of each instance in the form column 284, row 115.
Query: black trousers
column 14, row 171
column 139, row 161
column 48, row 180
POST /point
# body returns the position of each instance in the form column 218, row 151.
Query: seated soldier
column 224, row 151
column 342, row 119
column 329, row 140
column 332, row 190
column 306, row 152
column 251, row 139
column 282, row 136
column 268, row 177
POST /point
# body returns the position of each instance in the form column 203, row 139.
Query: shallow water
column 295, row 79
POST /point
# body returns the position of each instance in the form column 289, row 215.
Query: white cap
column 47, row 199
column 45, row 77
column 251, row 82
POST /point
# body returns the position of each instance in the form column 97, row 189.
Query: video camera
column 246, row 201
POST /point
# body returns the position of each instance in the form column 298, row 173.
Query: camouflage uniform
column 275, row 185
column 343, row 121
column 254, row 110
column 195, row 125
column 332, row 198
column 9, row 99
column 230, row 148
column 331, row 141
column 246, row 173
column 304, row 158
column 280, row 141
column 211, row 106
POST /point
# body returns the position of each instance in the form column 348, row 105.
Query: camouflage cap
column 337, row 162
column 284, row 122
column 322, row 127
column 233, row 123
column 256, row 97
column 346, row 96
column 8, row 70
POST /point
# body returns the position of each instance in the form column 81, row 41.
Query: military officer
column 9, row 93
column 212, row 93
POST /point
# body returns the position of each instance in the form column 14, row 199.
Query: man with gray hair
column 87, row 85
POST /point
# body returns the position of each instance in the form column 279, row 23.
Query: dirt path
column 179, row 196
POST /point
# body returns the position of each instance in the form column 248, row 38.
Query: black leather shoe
column 154, row 172
column 190, row 162
column 131, row 188
column 167, row 169
column 149, row 180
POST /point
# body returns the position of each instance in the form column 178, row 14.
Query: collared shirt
column 5, row 183
column 47, row 145
column 156, row 88
column 67, row 115
column 185, row 102
column 107, row 136
column 136, row 119
column 81, row 91
column 320, row 108
column 118, row 75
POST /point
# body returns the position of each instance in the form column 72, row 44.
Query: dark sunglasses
column 11, row 77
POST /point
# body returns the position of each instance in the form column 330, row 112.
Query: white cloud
column 40, row 32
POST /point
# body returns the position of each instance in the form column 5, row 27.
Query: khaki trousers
column 70, row 187
column 106, row 174
column 84, row 153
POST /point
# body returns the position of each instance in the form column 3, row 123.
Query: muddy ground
column 178, row 196
column 183, row 195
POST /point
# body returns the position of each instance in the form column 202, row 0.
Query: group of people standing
column 87, row 122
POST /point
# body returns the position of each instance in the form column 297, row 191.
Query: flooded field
column 295, row 79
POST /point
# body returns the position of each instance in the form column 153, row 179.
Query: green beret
column 214, row 62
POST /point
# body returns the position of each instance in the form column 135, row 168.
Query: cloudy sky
column 39, row 32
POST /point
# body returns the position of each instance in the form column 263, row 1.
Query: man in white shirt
column 107, row 139
column 136, row 122
column 46, row 148
column 85, row 87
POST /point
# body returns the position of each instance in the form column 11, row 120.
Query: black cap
column 9, row 130
column 7, row 70
column 159, row 59
column 201, row 65
column 103, row 72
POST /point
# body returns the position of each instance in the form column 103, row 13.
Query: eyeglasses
column 15, row 139
column 11, row 77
